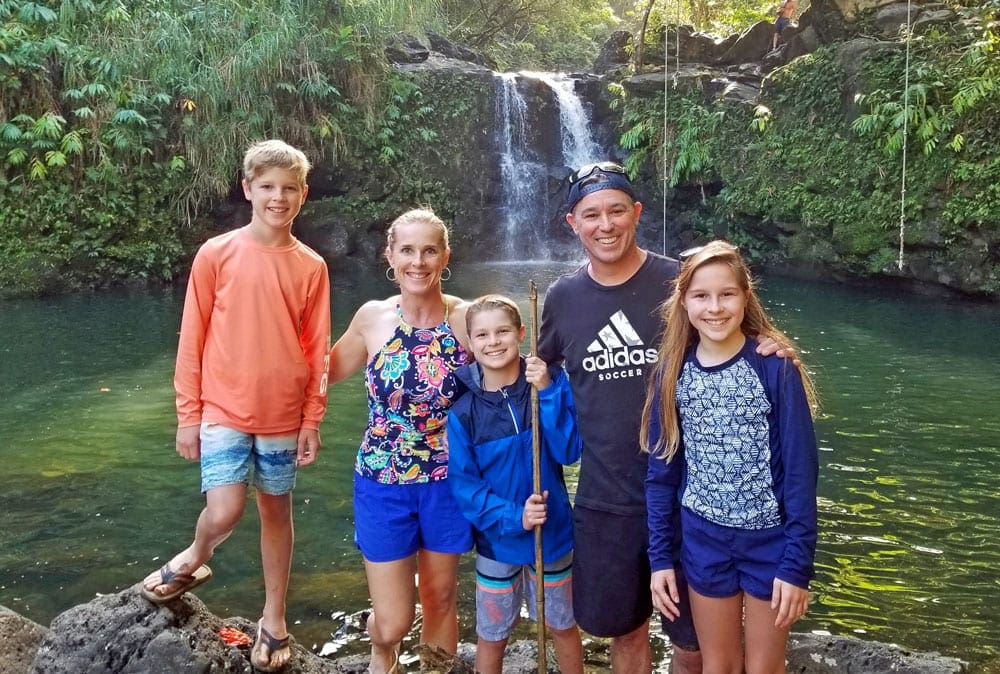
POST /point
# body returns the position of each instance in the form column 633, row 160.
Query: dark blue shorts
column 394, row 521
column 720, row 561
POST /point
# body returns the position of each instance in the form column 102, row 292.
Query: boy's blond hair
column 493, row 302
column 275, row 153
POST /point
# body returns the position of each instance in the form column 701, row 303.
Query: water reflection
column 94, row 494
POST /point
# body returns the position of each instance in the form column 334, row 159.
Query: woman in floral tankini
column 407, row 521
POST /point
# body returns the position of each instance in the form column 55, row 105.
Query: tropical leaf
column 10, row 132
column 129, row 117
column 55, row 158
column 16, row 156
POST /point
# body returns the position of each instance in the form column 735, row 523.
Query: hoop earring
column 390, row 274
column 448, row 277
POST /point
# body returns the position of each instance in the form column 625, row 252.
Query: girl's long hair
column 679, row 335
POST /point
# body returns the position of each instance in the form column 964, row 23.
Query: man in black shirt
column 602, row 322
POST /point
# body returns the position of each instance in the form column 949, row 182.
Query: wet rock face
column 406, row 49
column 125, row 633
column 20, row 638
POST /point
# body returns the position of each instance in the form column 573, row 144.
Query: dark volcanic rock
column 125, row 633
column 451, row 49
column 614, row 52
column 815, row 654
column 20, row 638
column 406, row 49
column 892, row 18
column 751, row 45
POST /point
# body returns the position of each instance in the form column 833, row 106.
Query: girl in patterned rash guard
column 731, row 444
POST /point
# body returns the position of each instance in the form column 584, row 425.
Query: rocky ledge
column 124, row 633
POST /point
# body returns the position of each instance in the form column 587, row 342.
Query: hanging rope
column 677, row 70
column 906, row 127
column 663, row 149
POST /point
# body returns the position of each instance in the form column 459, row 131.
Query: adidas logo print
column 616, row 334
column 618, row 352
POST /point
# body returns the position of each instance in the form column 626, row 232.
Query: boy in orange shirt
column 251, row 381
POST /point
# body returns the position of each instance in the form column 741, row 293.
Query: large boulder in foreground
column 125, row 633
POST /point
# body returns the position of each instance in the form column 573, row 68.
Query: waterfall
column 578, row 145
column 525, row 209
column 523, row 199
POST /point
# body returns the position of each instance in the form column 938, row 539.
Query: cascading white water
column 523, row 199
column 524, row 202
column 578, row 145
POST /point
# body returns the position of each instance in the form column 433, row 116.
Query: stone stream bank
column 124, row 633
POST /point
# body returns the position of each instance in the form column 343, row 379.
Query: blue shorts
column 720, row 561
column 227, row 454
column 394, row 521
column 501, row 590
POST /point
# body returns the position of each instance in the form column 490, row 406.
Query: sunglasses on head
column 587, row 170
column 685, row 255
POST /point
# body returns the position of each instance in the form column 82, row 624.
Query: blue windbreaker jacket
column 490, row 466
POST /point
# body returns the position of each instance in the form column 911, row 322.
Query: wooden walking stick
column 536, row 470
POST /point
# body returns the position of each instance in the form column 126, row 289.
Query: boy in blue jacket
column 490, row 471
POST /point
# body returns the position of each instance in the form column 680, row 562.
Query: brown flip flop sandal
column 184, row 582
column 265, row 638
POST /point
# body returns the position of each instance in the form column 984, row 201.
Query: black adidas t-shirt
column 607, row 339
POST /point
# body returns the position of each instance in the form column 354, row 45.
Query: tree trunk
column 642, row 37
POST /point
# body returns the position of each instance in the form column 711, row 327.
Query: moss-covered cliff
column 810, row 178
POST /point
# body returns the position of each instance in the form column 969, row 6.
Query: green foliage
column 810, row 88
column 524, row 34
column 684, row 152
column 100, row 89
column 953, row 105
column 797, row 181
column 57, row 235
column 947, row 100
column 718, row 17
column 402, row 122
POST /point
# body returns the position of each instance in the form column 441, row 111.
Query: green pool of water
column 94, row 495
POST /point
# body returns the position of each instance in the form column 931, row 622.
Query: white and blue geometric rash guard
column 724, row 419
column 747, row 458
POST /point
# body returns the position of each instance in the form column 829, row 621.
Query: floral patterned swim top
column 411, row 385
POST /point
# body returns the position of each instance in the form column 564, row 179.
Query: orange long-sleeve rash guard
column 255, row 337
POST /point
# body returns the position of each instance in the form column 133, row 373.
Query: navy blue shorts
column 394, row 521
column 720, row 561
